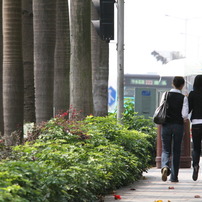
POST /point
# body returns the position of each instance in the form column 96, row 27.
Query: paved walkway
column 152, row 189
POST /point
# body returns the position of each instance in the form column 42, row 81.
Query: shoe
column 164, row 174
column 195, row 173
column 174, row 180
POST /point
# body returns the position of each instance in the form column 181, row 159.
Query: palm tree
column 1, row 61
column 12, row 69
column 44, row 46
column 80, row 69
column 28, row 61
column 100, row 70
column 62, row 57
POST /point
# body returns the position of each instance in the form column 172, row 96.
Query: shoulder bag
column 159, row 116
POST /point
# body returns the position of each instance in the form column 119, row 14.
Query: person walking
column 173, row 129
column 195, row 108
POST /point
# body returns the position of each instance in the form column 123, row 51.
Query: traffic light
column 159, row 57
column 105, row 24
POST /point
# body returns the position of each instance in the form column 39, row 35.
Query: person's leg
column 166, row 137
column 178, row 131
column 196, row 138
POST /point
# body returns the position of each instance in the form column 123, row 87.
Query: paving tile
column 151, row 188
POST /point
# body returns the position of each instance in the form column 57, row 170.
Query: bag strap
column 166, row 95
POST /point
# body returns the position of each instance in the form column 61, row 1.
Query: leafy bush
column 132, row 141
column 67, row 172
column 74, row 161
column 133, row 121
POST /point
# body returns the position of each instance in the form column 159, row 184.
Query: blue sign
column 146, row 93
column 111, row 96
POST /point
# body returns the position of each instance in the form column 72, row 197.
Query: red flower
column 117, row 197
column 64, row 114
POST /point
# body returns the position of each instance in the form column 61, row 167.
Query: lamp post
column 198, row 39
column 120, row 59
column 186, row 20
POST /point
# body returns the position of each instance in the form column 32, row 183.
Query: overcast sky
column 147, row 28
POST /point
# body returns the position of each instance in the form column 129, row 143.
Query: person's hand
column 185, row 120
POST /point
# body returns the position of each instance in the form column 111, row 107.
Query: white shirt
column 196, row 121
column 185, row 106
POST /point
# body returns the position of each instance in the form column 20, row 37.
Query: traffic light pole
column 120, row 59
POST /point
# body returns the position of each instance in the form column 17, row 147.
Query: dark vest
column 195, row 104
column 174, row 110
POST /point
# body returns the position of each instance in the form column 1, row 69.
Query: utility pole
column 120, row 59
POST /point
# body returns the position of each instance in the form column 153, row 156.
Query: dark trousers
column 196, row 138
column 171, row 135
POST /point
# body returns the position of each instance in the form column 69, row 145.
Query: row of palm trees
column 51, row 60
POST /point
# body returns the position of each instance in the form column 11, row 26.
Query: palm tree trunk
column 80, row 70
column 1, row 70
column 28, row 61
column 13, row 89
column 62, row 58
column 100, row 70
column 44, row 46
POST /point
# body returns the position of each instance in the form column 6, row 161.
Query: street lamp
column 198, row 39
column 185, row 28
column 185, row 40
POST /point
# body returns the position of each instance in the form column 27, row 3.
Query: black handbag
column 159, row 116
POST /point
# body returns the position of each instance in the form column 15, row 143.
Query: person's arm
column 185, row 108
column 190, row 102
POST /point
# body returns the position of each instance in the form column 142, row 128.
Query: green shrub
column 132, row 141
column 79, row 172
column 74, row 161
column 133, row 121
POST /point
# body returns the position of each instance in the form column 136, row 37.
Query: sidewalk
column 151, row 188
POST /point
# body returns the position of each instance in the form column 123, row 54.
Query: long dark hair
column 198, row 83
